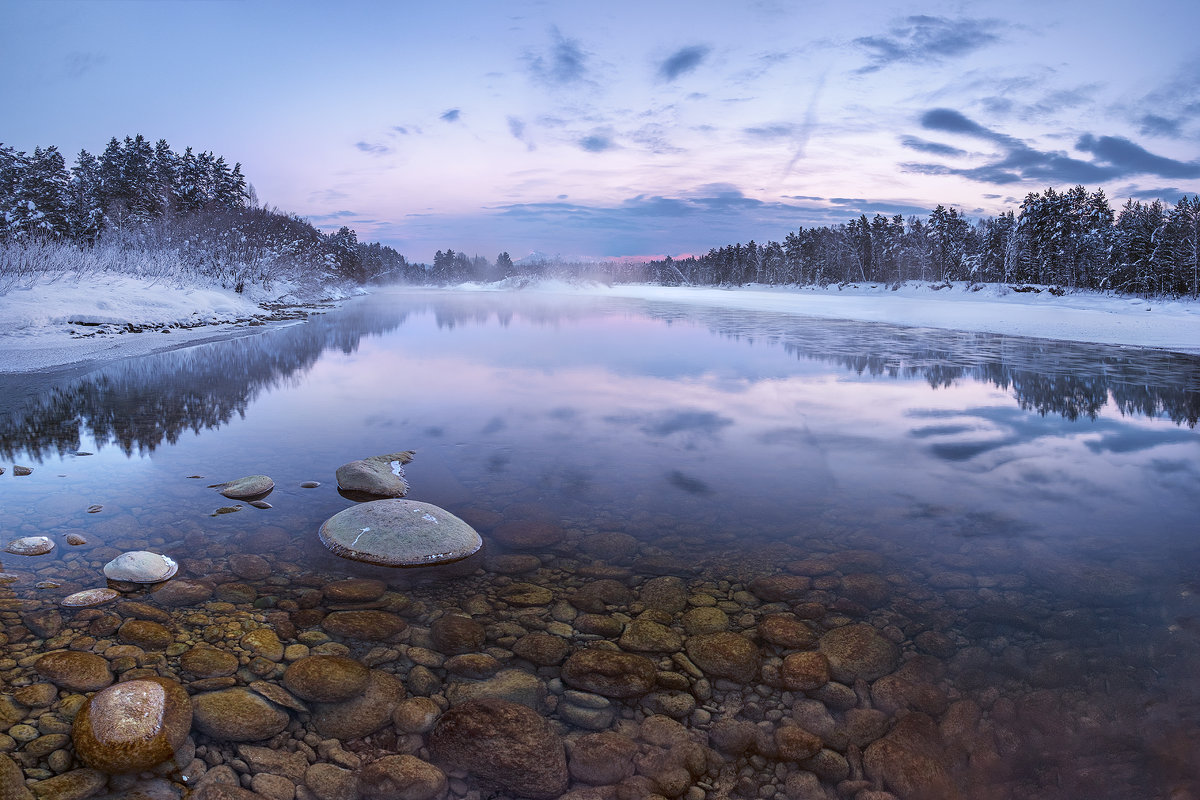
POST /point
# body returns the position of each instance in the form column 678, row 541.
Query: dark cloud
column 682, row 61
column 1131, row 158
column 1114, row 157
column 934, row 148
column 332, row 216
column 856, row 206
column 451, row 115
column 667, row 423
column 373, row 148
column 1154, row 125
column 921, row 39
column 563, row 64
column 597, row 143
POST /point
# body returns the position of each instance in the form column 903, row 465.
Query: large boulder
column 132, row 726
column 911, row 760
column 609, row 672
column 858, row 651
column 382, row 476
column 249, row 487
column 401, row 777
column 505, row 744
column 725, row 655
column 399, row 533
column 237, row 715
column 79, row 672
column 362, row 715
column 326, row 679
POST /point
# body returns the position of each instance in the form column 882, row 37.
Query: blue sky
column 619, row 128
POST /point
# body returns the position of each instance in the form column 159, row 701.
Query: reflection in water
column 141, row 403
column 769, row 476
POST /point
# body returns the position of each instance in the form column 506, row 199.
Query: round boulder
column 80, row 672
column 454, row 634
column 205, row 661
column 30, row 546
column 246, row 488
column 89, row 597
column 368, row 625
column 401, row 777
column 237, row 715
column 858, row 651
column 399, row 533
column 528, row 534
column 132, row 726
column 609, row 672
column 505, row 744
column 326, row 679
column 382, row 476
column 362, row 715
column 725, row 655
column 140, row 566
column 354, row 590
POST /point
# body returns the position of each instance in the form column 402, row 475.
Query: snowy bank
column 1164, row 324
column 68, row 320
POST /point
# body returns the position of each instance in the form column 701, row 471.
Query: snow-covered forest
column 146, row 210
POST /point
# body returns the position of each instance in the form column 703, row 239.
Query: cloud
column 935, row 148
column 1113, row 157
column 373, row 149
column 563, row 64
column 451, row 115
column 682, row 61
column 597, row 142
column 1154, row 125
column 516, row 126
column 778, row 130
column 921, row 39
column 400, row 129
column 80, row 63
column 1131, row 158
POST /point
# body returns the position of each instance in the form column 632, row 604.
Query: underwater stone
column 377, row 475
column 399, row 533
column 140, row 566
column 132, row 726
column 89, row 597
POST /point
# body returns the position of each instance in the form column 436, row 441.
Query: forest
column 145, row 209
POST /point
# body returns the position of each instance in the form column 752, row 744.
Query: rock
column 30, row 546
column 706, row 619
column 666, row 593
column 784, row 630
column 382, row 476
column 44, row 624
column 415, row 715
column 251, row 486
column 911, row 760
column 80, row 672
column 74, row 785
column 858, row 651
column 182, row 592
column 402, row 777
column 866, row 589
column 399, row 533
column 725, row 654
column 89, row 597
column 205, row 661
column 526, row 595
column 779, row 588
column 279, row 695
column 362, row 715
column 329, row 782
column 145, row 634
column 647, row 636
column 542, row 649
column 453, row 634
column 793, row 743
column 731, row 736
column 354, row 590
column 12, row 781
column 36, row 695
column 503, row 743
column 326, row 679
column 609, row 546
column 528, row 534
column 597, row 595
column 132, row 726
column 371, row 626
column 223, row 791
column 513, row 685
column 602, row 758
column 804, row 671
column 237, row 715
column 472, row 665
column 249, row 567
column 278, row 762
column 263, row 642
column 140, row 566
column 22, row 471
column 609, row 673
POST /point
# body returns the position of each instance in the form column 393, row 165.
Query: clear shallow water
column 1031, row 503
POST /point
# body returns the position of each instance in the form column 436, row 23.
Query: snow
column 39, row 324
column 55, row 323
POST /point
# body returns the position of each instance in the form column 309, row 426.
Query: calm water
column 1031, row 506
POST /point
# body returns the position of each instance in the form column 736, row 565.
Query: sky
column 621, row 129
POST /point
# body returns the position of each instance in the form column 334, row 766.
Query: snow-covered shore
column 70, row 321
column 102, row 316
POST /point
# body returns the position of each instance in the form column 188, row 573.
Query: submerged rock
column 238, row 715
column 70, row 669
column 140, row 566
column 251, row 486
column 30, row 546
column 399, row 533
column 378, row 475
column 132, row 726
column 89, row 597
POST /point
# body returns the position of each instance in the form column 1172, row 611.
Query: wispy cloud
column 921, row 39
column 78, row 63
column 1132, row 158
column 451, row 115
column 517, row 127
column 564, row 63
column 372, row 148
column 682, row 61
column 770, row 132
column 926, row 146
column 597, row 142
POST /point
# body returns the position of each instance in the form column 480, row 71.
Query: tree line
column 147, row 209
